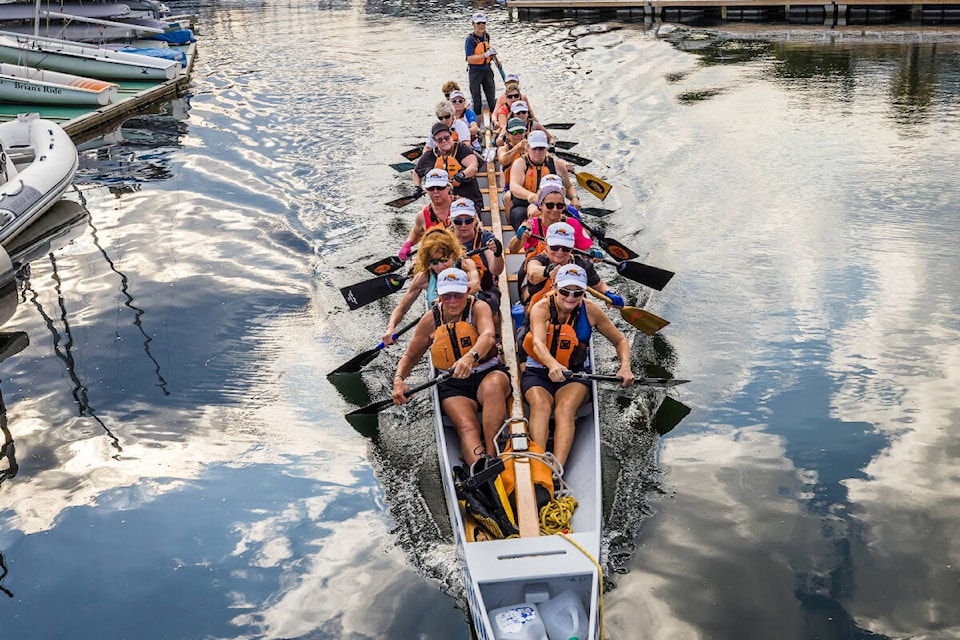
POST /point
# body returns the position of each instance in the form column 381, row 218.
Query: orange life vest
column 541, row 474
column 562, row 338
column 531, row 180
column 453, row 339
column 450, row 164
column 430, row 218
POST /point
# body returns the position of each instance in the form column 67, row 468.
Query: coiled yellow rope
column 599, row 574
column 555, row 516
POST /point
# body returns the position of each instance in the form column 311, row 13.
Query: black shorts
column 467, row 387
column 540, row 377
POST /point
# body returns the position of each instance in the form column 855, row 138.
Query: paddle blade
column 565, row 144
column 363, row 293
column 402, row 202
column 652, row 277
column 617, row 250
column 668, row 415
column 373, row 407
column 594, row 185
column 596, row 211
column 412, row 154
column 559, row 125
column 580, row 161
column 386, row 265
column 645, row 321
column 356, row 363
column 400, row 167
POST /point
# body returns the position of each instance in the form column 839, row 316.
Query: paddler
column 465, row 116
column 447, row 114
column 435, row 213
column 440, row 250
column 526, row 173
column 479, row 54
column 456, row 158
column 506, row 99
column 459, row 331
column 558, row 340
column 541, row 269
column 471, row 234
column 513, row 146
column 550, row 207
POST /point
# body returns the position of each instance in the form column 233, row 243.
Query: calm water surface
column 177, row 465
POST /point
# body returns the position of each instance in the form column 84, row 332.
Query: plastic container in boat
column 518, row 622
column 517, row 311
column 564, row 617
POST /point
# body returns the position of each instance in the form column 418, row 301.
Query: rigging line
column 137, row 311
column 66, row 356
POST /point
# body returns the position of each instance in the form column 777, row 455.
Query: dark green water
column 183, row 469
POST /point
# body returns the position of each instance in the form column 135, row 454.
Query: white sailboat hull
column 38, row 86
column 83, row 60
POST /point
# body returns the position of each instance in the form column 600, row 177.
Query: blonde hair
column 450, row 85
column 437, row 240
column 512, row 84
column 444, row 107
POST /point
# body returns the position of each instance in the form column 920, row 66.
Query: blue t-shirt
column 474, row 46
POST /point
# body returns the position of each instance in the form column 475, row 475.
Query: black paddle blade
column 363, row 293
column 565, row 144
column 617, row 250
column 386, row 265
column 652, row 277
column 580, row 161
column 413, row 154
column 668, row 415
column 402, row 202
column 559, row 125
column 596, row 211
column 373, row 407
column 356, row 363
column 400, row 167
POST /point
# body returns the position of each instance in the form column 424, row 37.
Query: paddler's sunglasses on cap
column 566, row 293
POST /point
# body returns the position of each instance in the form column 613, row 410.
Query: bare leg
column 568, row 399
column 541, row 405
column 492, row 395
column 462, row 412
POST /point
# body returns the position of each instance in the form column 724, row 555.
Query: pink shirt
column 581, row 240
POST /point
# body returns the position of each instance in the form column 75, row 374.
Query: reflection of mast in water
column 137, row 311
column 3, row 574
column 9, row 452
column 66, row 355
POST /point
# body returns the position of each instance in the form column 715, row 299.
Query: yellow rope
column 555, row 516
column 599, row 573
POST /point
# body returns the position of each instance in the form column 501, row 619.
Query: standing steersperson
column 479, row 54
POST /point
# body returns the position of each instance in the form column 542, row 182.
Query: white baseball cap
column 538, row 139
column 452, row 280
column 560, row 233
column 571, row 275
column 519, row 105
column 480, row 16
column 456, row 93
column 436, row 178
column 462, row 207
column 551, row 178
column 512, row 77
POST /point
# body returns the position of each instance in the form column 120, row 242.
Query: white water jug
column 564, row 617
column 518, row 622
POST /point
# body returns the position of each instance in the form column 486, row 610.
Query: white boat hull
column 83, row 60
column 44, row 161
column 38, row 86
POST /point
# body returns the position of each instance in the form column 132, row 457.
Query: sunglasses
column 458, row 101
column 442, row 139
column 436, row 188
column 446, row 117
column 559, row 248
column 452, row 296
column 462, row 221
column 446, row 95
column 513, row 96
column 521, row 113
column 553, row 205
column 566, row 293
column 435, row 261
column 516, row 132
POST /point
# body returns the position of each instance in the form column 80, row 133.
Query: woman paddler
column 459, row 331
column 456, row 158
column 559, row 340
column 549, row 207
column 471, row 234
column 526, row 173
column 440, row 250
column 435, row 213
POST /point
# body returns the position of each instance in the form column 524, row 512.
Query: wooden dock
column 939, row 13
